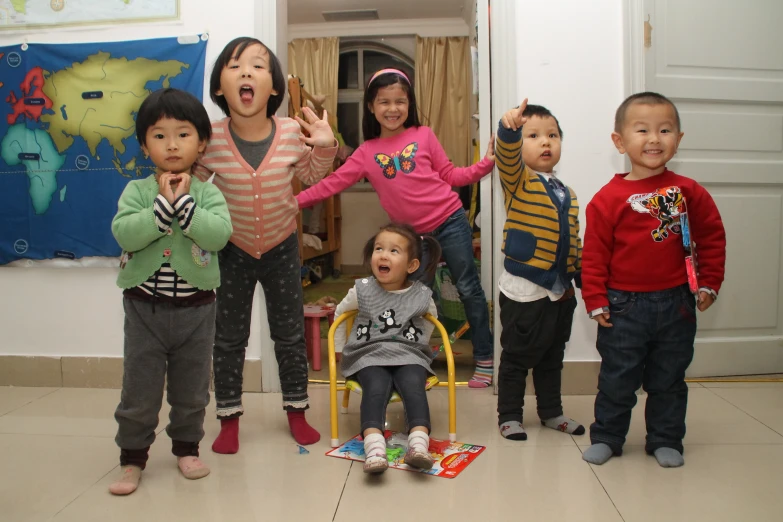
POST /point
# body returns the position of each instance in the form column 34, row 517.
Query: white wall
column 570, row 59
column 48, row 311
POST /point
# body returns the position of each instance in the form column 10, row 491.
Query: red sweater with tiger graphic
column 633, row 239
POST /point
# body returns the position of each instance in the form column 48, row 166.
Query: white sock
column 419, row 441
column 375, row 445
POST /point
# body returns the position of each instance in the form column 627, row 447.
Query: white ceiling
column 309, row 11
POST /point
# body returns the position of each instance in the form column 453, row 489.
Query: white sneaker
column 375, row 464
column 418, row 459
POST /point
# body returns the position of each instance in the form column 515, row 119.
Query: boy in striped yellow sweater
column 543, row 255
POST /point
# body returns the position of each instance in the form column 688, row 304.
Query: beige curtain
column 443, row 89
column 316, row 61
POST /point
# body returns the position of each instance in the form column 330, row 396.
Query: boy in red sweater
column 634, row 282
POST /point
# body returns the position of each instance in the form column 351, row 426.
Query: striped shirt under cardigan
column 540, row 240
column 262, row 205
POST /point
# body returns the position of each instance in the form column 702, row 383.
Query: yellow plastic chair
column 353, row 385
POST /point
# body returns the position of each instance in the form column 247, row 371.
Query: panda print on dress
column 363, row 330
column 387, row 319
column 411, row 333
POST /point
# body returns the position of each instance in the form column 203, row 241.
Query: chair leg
column 308, row 340
column 315, row 341
column 452, row 412
column 346, row 399
column 335, row 442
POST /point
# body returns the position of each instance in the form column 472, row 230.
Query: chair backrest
column 348, row 318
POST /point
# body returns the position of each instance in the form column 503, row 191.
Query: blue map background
column 77, row 222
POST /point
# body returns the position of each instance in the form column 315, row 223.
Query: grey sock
column 597, row 453
column 513, row 430
column 669, row 457
column 564, row 424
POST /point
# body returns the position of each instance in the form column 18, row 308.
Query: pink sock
column 303, row 433
column 227, row 442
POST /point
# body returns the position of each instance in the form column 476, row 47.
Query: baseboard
column 86, row 372
column 579, row 378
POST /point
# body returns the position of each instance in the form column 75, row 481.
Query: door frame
column 634, row 52
column 503, row 47
column 271, row 25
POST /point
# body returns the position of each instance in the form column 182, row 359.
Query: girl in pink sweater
column 413, row 177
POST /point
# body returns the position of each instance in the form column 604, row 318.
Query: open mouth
column 546, row 154
column 653, row 151
column 383, row 269
column 246, row 93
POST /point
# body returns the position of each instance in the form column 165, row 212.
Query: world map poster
column 68, row 138
column 16, row 15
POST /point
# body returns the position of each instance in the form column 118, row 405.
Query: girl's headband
column 388, row 71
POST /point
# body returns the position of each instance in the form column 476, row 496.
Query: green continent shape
column 19, row 6
column 110, row 118
column 62, row 192
column 41, row 172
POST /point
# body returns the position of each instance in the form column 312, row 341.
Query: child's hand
column 320, row 131
column 603, row 320
column 164, row 186
column 513, row 119
column 705, row 301
column 184, row 185
column 491, row 148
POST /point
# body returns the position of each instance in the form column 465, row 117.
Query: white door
column 721, row 62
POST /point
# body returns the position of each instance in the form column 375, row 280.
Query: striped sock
column 375, row 446
column 375, row 460
column 419, row 441
column 482, row 377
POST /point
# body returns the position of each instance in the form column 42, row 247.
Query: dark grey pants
column 278, row 271
column 171, row 345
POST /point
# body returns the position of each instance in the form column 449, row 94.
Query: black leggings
column 378, row 383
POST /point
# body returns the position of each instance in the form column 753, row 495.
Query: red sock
column 303, row 433
column 228, row 440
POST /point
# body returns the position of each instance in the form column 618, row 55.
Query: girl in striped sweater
column 254, row 155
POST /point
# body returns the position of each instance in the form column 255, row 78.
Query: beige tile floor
column 57, row 457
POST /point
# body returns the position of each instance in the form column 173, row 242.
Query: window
column 358, row 62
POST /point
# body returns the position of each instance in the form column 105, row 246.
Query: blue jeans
column 456, row 240
column 649, row 345
column 378, row 383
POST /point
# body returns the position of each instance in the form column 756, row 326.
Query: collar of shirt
column 548, row 175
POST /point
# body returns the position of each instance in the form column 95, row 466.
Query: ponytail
column 434, row 251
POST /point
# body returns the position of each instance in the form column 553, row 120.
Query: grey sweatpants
column 173, row 344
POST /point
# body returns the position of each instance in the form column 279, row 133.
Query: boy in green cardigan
column 170, row 227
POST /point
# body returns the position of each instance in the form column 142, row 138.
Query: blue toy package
column 691, row 265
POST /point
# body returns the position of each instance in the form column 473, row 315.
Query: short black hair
column 541, row 112
column 645, row 98
column 371, row 128
column 234, row 50
column 172, row 103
